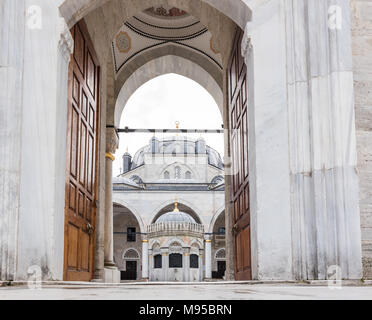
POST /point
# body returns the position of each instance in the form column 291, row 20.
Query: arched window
column 157, row 261
column 131, row 254
column 175, row 260
column 194, row 261
column 220, row 254
column 188, row 175
column 166, row 175
column 177, row 172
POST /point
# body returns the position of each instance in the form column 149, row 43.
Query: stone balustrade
column 174, row 226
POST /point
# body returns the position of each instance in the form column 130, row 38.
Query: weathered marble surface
column 361, row 24
column 34, row 66
column 324, row 183
column 271, row 238
column 11, row 81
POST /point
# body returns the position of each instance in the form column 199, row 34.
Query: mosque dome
column 178, row 145
column 175, row 216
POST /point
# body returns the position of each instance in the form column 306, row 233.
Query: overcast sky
column 162, row 101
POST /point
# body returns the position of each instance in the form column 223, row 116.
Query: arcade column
column 111, row 272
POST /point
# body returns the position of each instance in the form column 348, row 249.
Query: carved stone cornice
column 112, row 141
column 66, row 42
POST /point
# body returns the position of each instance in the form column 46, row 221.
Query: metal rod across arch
column 130, row 130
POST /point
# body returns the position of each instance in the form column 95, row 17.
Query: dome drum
column 173, row 228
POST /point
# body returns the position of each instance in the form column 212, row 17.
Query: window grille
column 175, row 260
column 194, row 261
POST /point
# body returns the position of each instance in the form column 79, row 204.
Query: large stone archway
column 163, row 65
column 125, row 219
column 302, row 154
column 240, row 12
column 274, row 150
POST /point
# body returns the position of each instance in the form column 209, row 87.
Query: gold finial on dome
column 176, row 205
column 177, row 126
column 126, row 150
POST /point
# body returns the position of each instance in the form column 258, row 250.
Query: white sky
column 162, row 101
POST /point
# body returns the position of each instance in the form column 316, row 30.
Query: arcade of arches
column 136, row 250
column 292, row 89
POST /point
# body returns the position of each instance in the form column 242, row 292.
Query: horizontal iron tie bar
column 128, row 130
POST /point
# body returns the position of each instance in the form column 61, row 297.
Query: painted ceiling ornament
column 172, row 12
column 123, row 42
column 211, row 43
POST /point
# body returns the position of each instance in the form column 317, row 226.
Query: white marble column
column 165, row 262
column 186, row 264
column 264, row 50
column 151, row 265
column 201, row 264
column 12, row 37
column 208, row 257
column 322, row 139
column 302, row 146
column 145, row 259
column 111, row 272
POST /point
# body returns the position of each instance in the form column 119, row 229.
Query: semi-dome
column 177, row 216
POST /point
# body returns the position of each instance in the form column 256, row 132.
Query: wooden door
column 131, row 271
column 221, row 268
column 238, row 117
column 81, row 160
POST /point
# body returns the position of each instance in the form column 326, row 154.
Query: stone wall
column 217, row 243
column 361, row 23
column 122, row 221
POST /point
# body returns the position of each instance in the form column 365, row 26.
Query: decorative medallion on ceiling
column 149, row 29
column 166, row 11
column 123, row 42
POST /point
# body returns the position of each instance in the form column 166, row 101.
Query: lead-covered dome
column 177, row 145
column 175, row 216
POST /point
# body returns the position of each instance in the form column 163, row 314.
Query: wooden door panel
column 73, row 232
column 91, row 74
column 81, row 164
column 79, row 48
column 238, row 102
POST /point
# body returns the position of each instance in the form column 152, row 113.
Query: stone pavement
column 182, row 291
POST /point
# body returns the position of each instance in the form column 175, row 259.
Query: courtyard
column 318, row 290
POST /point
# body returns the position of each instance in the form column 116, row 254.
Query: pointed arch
column 164, row 65
column 190, row 208
column 120, row 202
column 131, row 254
column 215, row 217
